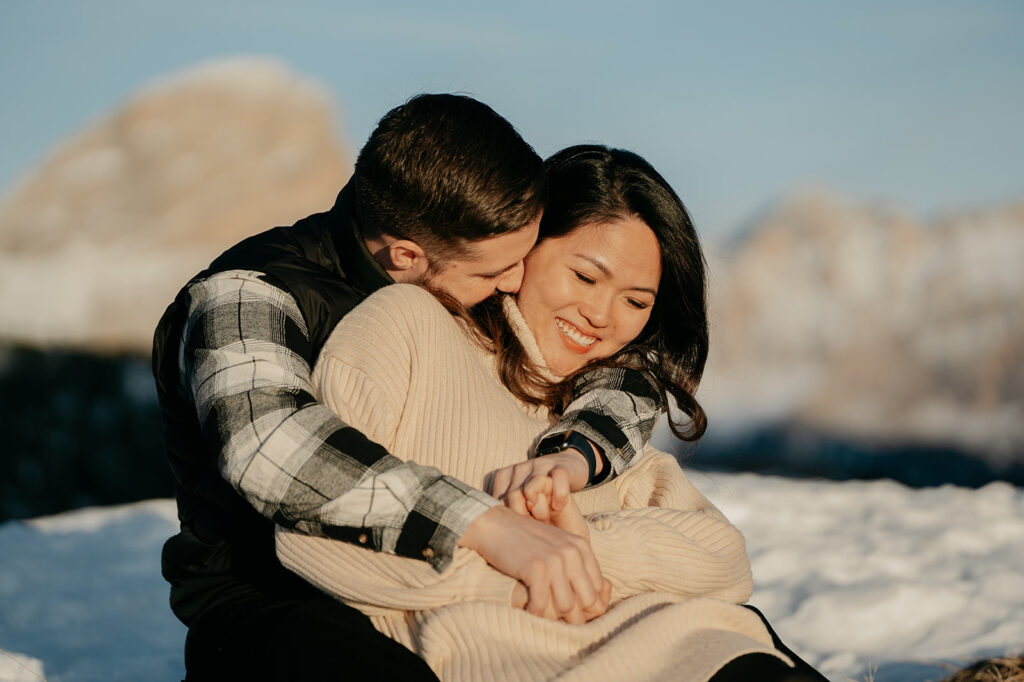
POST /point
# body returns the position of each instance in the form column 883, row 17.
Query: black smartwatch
column 560, row 442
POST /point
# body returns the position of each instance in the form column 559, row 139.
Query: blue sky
column 916, row 103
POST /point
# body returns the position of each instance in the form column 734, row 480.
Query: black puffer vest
column 322, row 262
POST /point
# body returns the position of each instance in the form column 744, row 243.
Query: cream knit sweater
column 403, row 370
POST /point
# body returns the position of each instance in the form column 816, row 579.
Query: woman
column 617, row 278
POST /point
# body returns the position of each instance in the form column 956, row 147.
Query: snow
column 81, row 596
column 860, row 578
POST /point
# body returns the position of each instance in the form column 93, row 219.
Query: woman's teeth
column 575, row 334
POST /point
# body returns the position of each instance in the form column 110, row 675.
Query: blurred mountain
column 860, row 322
column 95, row 242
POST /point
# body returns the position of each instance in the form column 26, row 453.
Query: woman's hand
column 567, row 471
column 547, row 499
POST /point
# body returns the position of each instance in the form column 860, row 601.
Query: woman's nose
column 597, row 310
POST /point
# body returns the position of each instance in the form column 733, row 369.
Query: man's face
column 496, row 265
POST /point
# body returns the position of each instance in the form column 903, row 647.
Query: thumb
column 560, row 488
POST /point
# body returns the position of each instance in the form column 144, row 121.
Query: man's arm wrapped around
column 290, row 456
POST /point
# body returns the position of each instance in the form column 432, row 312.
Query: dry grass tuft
column 1005, row 669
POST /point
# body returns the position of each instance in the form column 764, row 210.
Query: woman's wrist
column 575, row 464
column 597, row 464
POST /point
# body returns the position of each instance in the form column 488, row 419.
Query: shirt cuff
column 441, row 515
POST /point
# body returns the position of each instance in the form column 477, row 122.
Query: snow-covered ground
column 872, row 576
column 860, row 578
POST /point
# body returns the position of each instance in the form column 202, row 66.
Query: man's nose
column 512, row 280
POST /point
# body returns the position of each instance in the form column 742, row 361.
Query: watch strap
column 560, row 442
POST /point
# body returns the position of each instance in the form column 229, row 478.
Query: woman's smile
column 575, row 340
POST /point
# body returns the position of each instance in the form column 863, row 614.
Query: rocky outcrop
column 95, row 242
column 860, row 320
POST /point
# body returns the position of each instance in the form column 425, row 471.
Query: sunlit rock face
column 96, row 240
column 863, row 321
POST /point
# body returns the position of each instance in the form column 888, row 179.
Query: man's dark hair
column 444, row 171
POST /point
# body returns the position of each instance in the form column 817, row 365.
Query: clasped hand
column 566, row 582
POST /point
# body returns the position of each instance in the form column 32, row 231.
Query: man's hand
column 558, row 568
column 520, row 597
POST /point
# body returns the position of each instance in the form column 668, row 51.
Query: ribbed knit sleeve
column 686, row 553
column 381, row 584
column 652, row 531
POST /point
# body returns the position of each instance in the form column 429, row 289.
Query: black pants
column 765, row 668
column 315, row 639
column 250, row 619
column 260, row 636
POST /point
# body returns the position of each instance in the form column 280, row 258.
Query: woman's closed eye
column 584, row 278
column 639, row 305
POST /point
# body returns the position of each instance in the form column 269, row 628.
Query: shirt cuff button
column 363, row 537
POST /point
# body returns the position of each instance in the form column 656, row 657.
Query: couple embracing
column 449, row 477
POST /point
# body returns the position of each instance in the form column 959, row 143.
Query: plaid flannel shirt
column 298, row 463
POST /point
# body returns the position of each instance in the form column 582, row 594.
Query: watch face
column 555, row 443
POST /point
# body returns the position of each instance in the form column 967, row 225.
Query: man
column 444, row 193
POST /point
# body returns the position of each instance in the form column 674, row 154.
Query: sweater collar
column 522, row 331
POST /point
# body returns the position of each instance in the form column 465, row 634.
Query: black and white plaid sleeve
column 616, row 408
column 290, row 456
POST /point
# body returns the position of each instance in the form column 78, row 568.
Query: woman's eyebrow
column 608, row 273
column 596, row 263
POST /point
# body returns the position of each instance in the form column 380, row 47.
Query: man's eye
column 583, row 278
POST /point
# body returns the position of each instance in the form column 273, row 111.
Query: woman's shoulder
column 393, row 315
column 405, row 296
column 401, row 302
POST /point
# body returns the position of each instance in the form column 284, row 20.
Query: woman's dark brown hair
column 590, row 184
